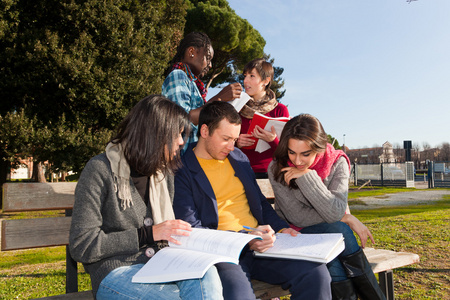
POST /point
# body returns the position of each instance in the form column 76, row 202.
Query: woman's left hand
column 267, row 136
column 293, row 173
column 357, row 226
column 290, row 231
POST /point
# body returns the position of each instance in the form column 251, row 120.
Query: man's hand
column 268, row 235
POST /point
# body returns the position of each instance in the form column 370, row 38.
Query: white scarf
column 160, row 202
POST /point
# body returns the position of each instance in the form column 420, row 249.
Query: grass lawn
column 422, row 229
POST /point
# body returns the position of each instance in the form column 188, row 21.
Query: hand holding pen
column 268, row 237
column 253, row 229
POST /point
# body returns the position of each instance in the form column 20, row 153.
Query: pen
column 253, row 229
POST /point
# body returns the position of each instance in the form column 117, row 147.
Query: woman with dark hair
column 258, row 76
column 183, row 83
column 310, row 182
column 123, row 210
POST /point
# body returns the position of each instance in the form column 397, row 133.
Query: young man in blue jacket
column 216, row 188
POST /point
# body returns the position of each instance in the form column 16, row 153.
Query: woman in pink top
column 258, row 75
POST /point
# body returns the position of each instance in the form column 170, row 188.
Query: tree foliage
column 71, row 70
column 333, row 141
column 278, row 82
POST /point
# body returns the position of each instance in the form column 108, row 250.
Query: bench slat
column 31, row 196
column 382, row 260
column 266, row 188
column 35, row 233
column 263, row 291
column 266, row 291
column 87, row 295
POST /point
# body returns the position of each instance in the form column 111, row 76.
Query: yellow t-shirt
column 232, row 204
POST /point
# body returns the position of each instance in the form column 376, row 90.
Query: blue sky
column 374, row 71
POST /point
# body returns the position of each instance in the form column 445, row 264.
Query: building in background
column 376, row 155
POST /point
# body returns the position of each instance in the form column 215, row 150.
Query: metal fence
column 439, row 174
column 385, row 174
column 400, row 174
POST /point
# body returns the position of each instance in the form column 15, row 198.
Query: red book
column 265, row 123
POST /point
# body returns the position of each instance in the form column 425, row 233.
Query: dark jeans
column 305, row 280
column 335, row 267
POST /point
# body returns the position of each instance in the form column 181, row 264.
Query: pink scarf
column 324, row 161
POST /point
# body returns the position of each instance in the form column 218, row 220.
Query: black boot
column 359, row 271
column 343, row 290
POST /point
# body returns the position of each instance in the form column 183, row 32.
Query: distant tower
column 387, row 153
column 407, row 147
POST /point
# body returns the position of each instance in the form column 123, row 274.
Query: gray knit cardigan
column 103, row 236
column 315, row 201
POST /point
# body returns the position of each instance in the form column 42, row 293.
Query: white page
column 226, row 243
column 196, row 254
column 173, row 264
column 239, row 103
column 262, row 146
column 317, row 247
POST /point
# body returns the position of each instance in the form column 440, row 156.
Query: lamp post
column 343, row 144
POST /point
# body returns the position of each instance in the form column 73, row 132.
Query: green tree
column 278, row 81
column 17, row 136
column 333, row 141
column 73, row 69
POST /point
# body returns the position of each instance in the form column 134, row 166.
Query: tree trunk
column 38, row 172
column 4, row 170
column 214, row 75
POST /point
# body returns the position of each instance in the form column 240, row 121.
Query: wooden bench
column 54, row 231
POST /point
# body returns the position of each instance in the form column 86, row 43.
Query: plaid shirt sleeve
column 178, row 87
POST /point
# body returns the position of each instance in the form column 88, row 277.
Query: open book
column 320, row 247
column 265, row 123
column 196, row 254
column 239, row 103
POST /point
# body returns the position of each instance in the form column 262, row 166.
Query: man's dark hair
column 214, row 112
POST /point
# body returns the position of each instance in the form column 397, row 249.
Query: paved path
column 406, row 198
